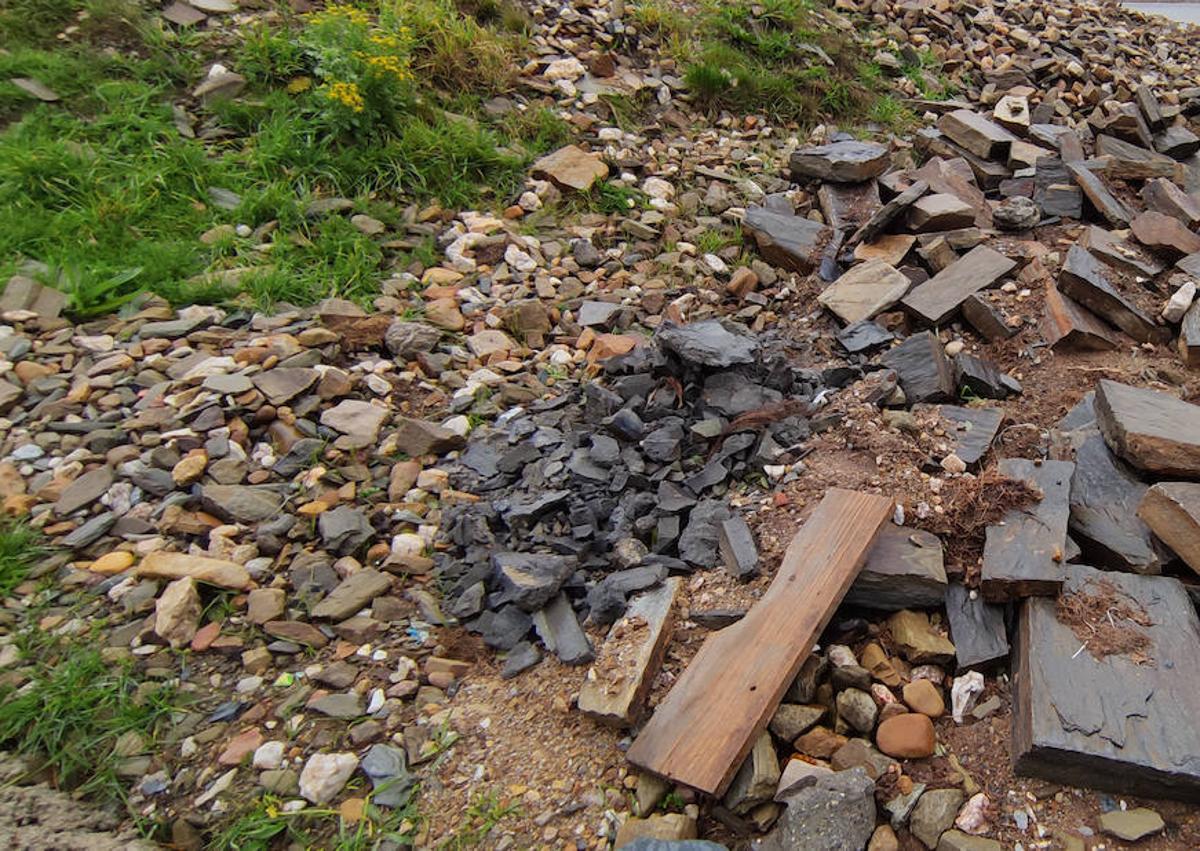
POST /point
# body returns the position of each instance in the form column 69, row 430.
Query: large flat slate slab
column 937, row 299
column 1084, row 279
column 1110, row 723
column 904, row 570
column 1153, row 431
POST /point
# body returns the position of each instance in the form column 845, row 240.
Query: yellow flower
column 389, row 65
column 388, row 41
column 347, row 94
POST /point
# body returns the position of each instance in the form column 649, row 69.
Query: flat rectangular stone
column 1084, row 279
column 617, row 686
column 988, row 173
column 976, row 628
column 971, row 430
column 888, row 212
column 978, row 134
column 1153, row 431
column 1119, row 723
column 863, row 291
column 1164, row 196
column 986, row 318
column 738, row 552
column 1172, row 511
column 1131, row 162
column 791, row 242
column 940, row 297
column 1023, row 556
column 1119, row 253
column 1067, row 325
column 1112, row 210
column 904, row 570
column 558, row 628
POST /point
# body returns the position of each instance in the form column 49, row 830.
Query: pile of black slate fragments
column 604, row 490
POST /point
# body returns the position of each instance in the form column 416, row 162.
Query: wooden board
column 1172, row 511
column 707, row 724
column 1023, row 555
column 1111, row 724
column 937, row 299
column 1153, row 431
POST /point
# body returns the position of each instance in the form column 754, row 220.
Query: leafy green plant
column 453, row 51
column 484, row 812
column 267, row 821
column 92, row 294
column 362, row 68
column 20, row 546
column 73, row 710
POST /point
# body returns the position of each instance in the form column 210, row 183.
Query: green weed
column 73, row 710
column 484, row 812
column 266, row 822
column 450, row 50
column 20, row 547
column 90, row 295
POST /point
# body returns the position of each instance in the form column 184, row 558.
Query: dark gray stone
column 841, row 162
column 924, row 370
column 504, row 628
column 1084, row 279
column 707, row 343
column 520, row 659
column 698, row 543
column 241, row 503
column 976, row 628
column 344, row 529
column 387, row 769
column 976, row 377
column 558, row 628
column 736, row 543
column 836, row 813
column 530, row 580
column 904, row 570
column 90, row 532
column 789, row 241
column 864, row 336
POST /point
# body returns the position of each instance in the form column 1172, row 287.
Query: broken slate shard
column 977, row 628
column 1172, row 511
column 841, row 162
column 864, row 290
column 924, row 370
column 738, row 551
column 790, row 241
column 972, row 430
column 530, row 579
column 1084, row 279
column 707, row 343
column 938, row 298
column 1023, row 555
column 1122, row 723
column 904, row 570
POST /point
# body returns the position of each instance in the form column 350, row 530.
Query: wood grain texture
column 707, row 724
column 1110, row 723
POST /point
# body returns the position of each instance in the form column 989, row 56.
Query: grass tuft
column 73, row 710
column 20, row 547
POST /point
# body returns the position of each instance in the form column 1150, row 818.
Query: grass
column 20, row 548
column 484, row 812
column 104, row 189
column 72, row 712
column 266, row 822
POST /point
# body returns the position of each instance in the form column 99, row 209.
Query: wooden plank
column 1110, row 723
column 1172, row 511
column 1023, row 555
column 707, row 724
column 619, row 681
column 937, row 299
column 1153, row 431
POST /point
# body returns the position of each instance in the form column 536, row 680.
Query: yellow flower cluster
column 389, row 65
column 340, row 11
column 347, row 94
column 388, row 42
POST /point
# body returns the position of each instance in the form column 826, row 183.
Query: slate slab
column 937, row 299
column 977, row 629
column 904, row 570
column 1023, row 555
column 1172, row 512
column 1153, row 431
column 1110, row 723
column 924, row 371
column 558, row 627
column 848, row 161
column 864, row 291
column 1084, row 279
column 972, row 429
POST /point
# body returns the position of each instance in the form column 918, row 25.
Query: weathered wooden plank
column 937, row 299
column 1112, row 723
column 1084, row 279
column 1153, row 431
column 904, row 570
column 710, row 719
column 1172, row 511
column 1066, row 325
column 619, row 681
column 1023, row 555
column 976, row 627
